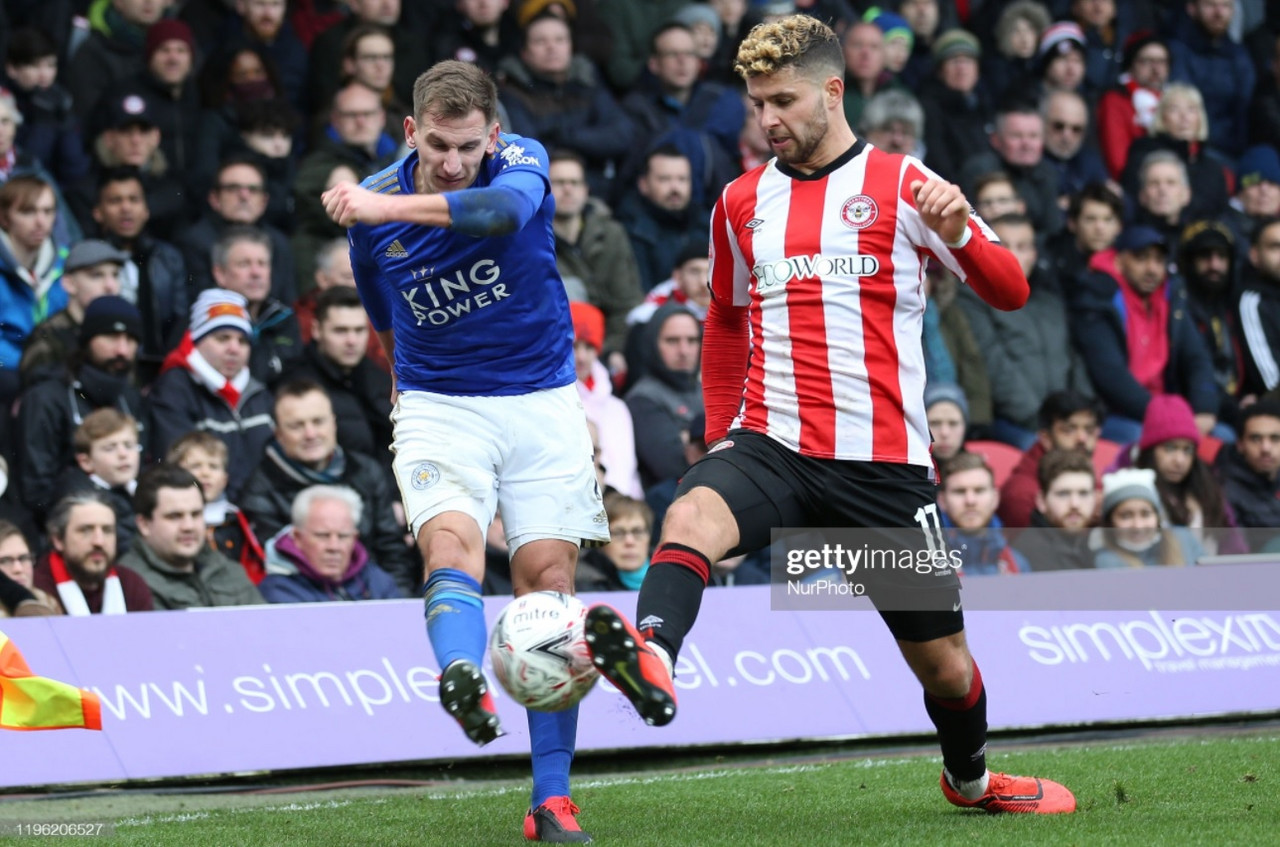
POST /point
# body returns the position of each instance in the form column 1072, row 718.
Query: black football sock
column 671, row 595
column 962, row 729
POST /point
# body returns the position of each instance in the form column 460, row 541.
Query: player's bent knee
column 950, row 675
column 951, row 679
column 700, row 519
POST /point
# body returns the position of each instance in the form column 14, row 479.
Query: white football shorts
column 528, row 455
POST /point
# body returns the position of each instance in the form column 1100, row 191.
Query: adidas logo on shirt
column 396, row 250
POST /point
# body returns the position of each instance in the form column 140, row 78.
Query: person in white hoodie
column 609, row 413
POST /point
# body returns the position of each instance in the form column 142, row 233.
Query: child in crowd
column 108, row 458
column 205, row 456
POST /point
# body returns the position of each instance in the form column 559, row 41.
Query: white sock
column 662, row 654
column 970, row 789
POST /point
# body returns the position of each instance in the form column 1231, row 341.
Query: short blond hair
column 198, row 439
column 1181, row 91
column 453, row 89
column 796, row 41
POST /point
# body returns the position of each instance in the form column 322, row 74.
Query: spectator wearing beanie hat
column 947, row 411
column 98, row 374
column 1061, row 57
column 1257, row 190
column 957, row 109
column 112, row 315
column 706, row 26
column 1106, row 28
column 1134, row 532
column 1189, row 493
column 111, row 52
column 899, row 40
column 205, row 385
column 169, row 82
column 1127, row 110
column 612, row 418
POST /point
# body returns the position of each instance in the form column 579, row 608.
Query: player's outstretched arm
column 348, row 204
column 479, row 212
column 990, row 270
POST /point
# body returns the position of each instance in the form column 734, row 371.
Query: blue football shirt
column 471, row 316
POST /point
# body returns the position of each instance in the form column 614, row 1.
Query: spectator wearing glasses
column 406, row 20
column 16, row 564
column 622, row 563
column 369, row 58
column 238, row 198
column 267, row 130
column 356, row 136
column 1066, row 126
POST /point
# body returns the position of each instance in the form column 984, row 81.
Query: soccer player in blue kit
column 454, row 258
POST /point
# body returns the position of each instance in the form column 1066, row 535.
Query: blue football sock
column 552, row 737
column 455, row 617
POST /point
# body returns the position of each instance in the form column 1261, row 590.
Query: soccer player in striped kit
column 454, row 258
column 814, row 381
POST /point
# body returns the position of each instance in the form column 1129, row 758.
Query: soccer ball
column 538, row 651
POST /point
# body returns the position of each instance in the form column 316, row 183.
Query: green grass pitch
column 1213, row 789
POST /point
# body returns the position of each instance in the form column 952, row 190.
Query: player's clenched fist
column 943, row 207
column 348, row 204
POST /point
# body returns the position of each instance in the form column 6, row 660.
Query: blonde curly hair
column 796, row 41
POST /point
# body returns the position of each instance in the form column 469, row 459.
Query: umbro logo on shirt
column 754, row 222
column 396, row 250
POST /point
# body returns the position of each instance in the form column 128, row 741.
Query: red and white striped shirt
column 814, row 332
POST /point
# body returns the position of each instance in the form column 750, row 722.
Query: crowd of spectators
column 194, row 411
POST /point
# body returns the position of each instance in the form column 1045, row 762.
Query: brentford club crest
column 859, row 212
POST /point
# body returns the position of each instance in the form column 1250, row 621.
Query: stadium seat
column 1105, row 454
column 1000, row 456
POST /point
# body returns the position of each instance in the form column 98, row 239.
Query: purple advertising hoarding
column 282, row 687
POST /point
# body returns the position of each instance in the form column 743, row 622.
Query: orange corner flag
column 28, row 701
